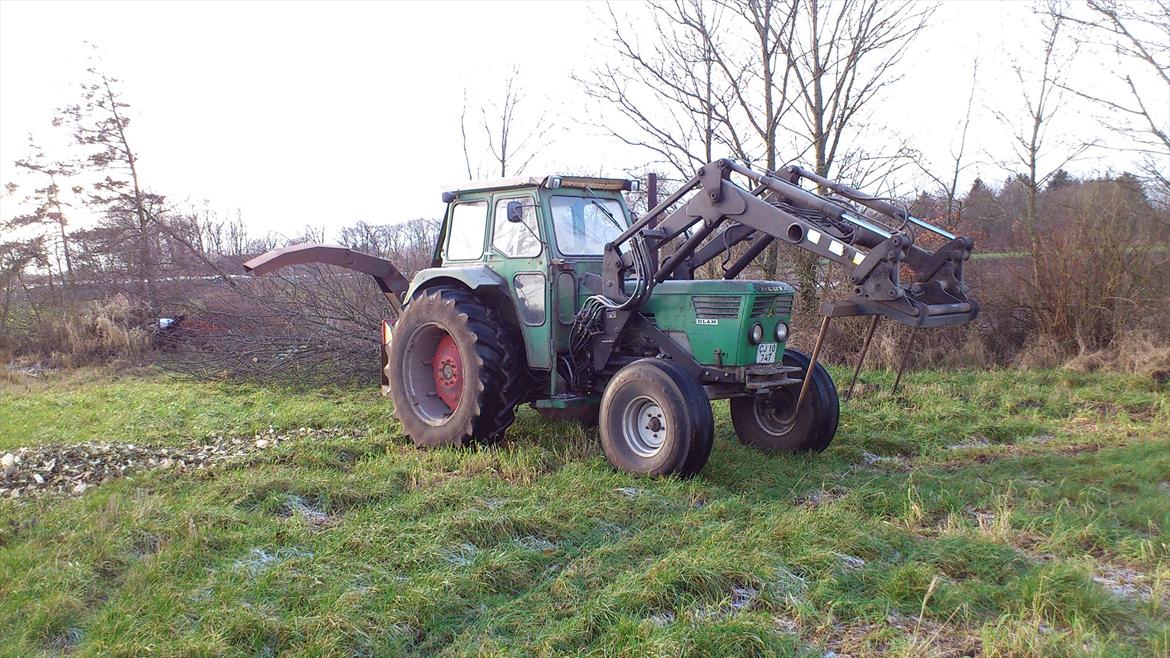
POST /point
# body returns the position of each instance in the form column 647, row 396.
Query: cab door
column 519, row 255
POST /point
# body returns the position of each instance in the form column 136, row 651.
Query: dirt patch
column 315, row 518
column 1128, row 583
column 913, row 636
column 823, row 497
column 971, row 442
column 741, row 597
column 876, row 463
column 73, row 469
column 1032, row 448
column 260, row 560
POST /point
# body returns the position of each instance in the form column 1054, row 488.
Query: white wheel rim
column 644, row 427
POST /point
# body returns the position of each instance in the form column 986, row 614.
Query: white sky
column 302, row 113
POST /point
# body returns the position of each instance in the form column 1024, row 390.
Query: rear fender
column 472, row 277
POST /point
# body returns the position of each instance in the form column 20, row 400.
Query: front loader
column 547, row 290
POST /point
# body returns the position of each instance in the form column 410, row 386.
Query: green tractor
column 548, row 290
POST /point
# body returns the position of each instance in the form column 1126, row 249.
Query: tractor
column 547, row 290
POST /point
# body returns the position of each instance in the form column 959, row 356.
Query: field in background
column 1003, row 513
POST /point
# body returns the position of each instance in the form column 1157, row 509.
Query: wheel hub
column 776, row 413
column 644, row 427
column 447, row 368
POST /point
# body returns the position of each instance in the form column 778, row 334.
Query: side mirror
column 515, row 211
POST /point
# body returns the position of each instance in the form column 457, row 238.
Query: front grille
column 717, row 307
column 771, row 306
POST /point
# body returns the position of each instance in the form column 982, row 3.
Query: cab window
column 584, row 225
column 468, row 222
column 516, row 239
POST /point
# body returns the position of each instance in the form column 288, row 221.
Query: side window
column 530, row 297
column 516, row 239
column 468, row 222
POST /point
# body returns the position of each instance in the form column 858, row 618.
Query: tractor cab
column 537, row 240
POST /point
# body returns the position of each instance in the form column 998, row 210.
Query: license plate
column 766, row 353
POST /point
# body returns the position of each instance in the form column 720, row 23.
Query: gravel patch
column 73, row 469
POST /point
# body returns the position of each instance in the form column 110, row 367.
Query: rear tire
column 452, row 370
column 655, row 419
column 770, row 424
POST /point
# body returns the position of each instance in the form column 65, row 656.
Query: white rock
column 38, row 478
column 80, row 487
column 7, row 460
column 262, row 443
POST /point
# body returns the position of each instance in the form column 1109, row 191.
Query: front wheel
column 771, row 422
column 655, row 419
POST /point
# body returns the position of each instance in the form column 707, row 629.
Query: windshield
column 583, row 226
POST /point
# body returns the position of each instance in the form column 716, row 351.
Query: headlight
column 781, row 332
column 757, row 334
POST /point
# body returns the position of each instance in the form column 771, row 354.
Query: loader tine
column 812, row 362
column 861, row 357
column 905, row 358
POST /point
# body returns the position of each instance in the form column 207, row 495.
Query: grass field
column 982, row 513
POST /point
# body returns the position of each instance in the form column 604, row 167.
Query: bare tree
column 47, row 207
column 710, row 83
column 512, row 145
column 99, row 123
column 958, row 151
column 750, row 77
column 843, row 55
column 1138, row 37
column 1041, row 99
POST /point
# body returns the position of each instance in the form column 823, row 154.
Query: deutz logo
column 706, row 321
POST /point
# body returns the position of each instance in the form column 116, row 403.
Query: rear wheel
column 655, row 419
column 771, row 422
column 452, row 371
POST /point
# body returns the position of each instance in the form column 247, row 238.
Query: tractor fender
column 472, row 277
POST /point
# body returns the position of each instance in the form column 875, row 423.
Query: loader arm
column 873, row 238
column 390, row 280
column 874, row 250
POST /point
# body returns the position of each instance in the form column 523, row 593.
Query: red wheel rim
column 447, row 368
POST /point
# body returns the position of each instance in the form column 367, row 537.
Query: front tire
column 655, row 419
column 770, row 422
column 452, row 371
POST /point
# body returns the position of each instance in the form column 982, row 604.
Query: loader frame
column 873, row 237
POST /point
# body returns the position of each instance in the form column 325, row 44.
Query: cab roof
column 551, row 181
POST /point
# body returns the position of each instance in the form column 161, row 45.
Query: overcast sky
column 300, row 113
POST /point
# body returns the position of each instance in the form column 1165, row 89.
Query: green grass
column 892, row 542
column 91, row 405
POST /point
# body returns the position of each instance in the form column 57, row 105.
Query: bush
column 89, row 332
